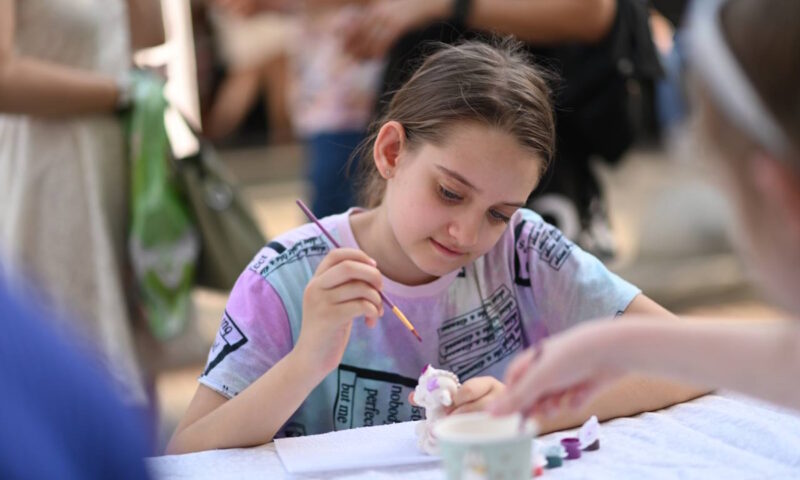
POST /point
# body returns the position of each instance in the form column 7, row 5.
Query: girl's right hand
column 345, row 286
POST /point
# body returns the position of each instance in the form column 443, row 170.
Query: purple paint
column 433, row 384
column 573, row 447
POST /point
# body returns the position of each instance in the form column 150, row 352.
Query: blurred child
column 332, row 93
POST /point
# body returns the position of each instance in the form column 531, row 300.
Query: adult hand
column 345, row 286
column 372, row 31
column 565, row 371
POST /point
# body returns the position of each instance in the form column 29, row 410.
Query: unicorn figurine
column 434, row 392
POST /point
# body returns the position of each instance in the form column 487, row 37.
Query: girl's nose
column 465, row 229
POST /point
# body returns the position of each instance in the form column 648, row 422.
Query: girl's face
column 449, row 204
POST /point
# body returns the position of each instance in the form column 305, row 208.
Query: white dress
column 64, row 184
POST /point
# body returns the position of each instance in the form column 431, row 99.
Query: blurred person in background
column 253, row 51
column 63, row 169
column 332, row 93
column 61, row 418
column 603, row 55
column 745, row 67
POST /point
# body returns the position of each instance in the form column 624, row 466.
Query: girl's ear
column 388, row 145
column 779, row 185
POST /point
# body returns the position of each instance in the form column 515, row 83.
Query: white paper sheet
column 368, row 447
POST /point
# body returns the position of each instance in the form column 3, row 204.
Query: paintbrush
column 391, row 304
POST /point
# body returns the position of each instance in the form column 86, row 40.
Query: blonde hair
column 493, row 84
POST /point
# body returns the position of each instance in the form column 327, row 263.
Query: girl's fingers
column 467, row 408
column 474, row 395
column 338, row 255
column 471, row 391
column 354, row 290
column 356, row 308
column 347, row 271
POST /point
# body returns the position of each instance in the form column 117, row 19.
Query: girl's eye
column 448, row 195
column 498, row 217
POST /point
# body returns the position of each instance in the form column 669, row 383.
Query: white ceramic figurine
column 434, row 392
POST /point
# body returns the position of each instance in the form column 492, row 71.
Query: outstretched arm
column 756, row 358
column 534, row 21
column 623, row 396
column 541, row 21
column 36, row 87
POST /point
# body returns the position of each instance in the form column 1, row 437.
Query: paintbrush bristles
column 406, row 322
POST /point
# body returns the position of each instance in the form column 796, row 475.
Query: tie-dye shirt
column 532, row 283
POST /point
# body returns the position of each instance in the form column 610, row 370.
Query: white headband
column 711, row 58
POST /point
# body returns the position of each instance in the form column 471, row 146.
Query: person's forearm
column 756, row 358
column 146, row 24
column 632, row 394
column 33, row 87
column 545, row 21
column 254, row 416
column 535, row 21
column 333, row 3
column 307, row 5
column 629, row 396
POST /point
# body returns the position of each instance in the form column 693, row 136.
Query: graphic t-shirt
column 532, row 283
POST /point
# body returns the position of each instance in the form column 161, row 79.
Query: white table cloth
column 716, row 436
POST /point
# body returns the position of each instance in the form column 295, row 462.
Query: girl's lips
column 447, row 251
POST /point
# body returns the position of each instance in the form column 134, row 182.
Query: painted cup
column 480, row 446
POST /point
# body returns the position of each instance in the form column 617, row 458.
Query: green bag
column 230, row 235
column 163, row 244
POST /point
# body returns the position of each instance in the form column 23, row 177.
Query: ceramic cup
column 480, row 446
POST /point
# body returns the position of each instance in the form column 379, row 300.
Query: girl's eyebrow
column 461, row 179
column 458, row 177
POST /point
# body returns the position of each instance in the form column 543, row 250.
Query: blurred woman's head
column 746, row 59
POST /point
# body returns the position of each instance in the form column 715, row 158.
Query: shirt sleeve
column 565, row 284
column 253, row 336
